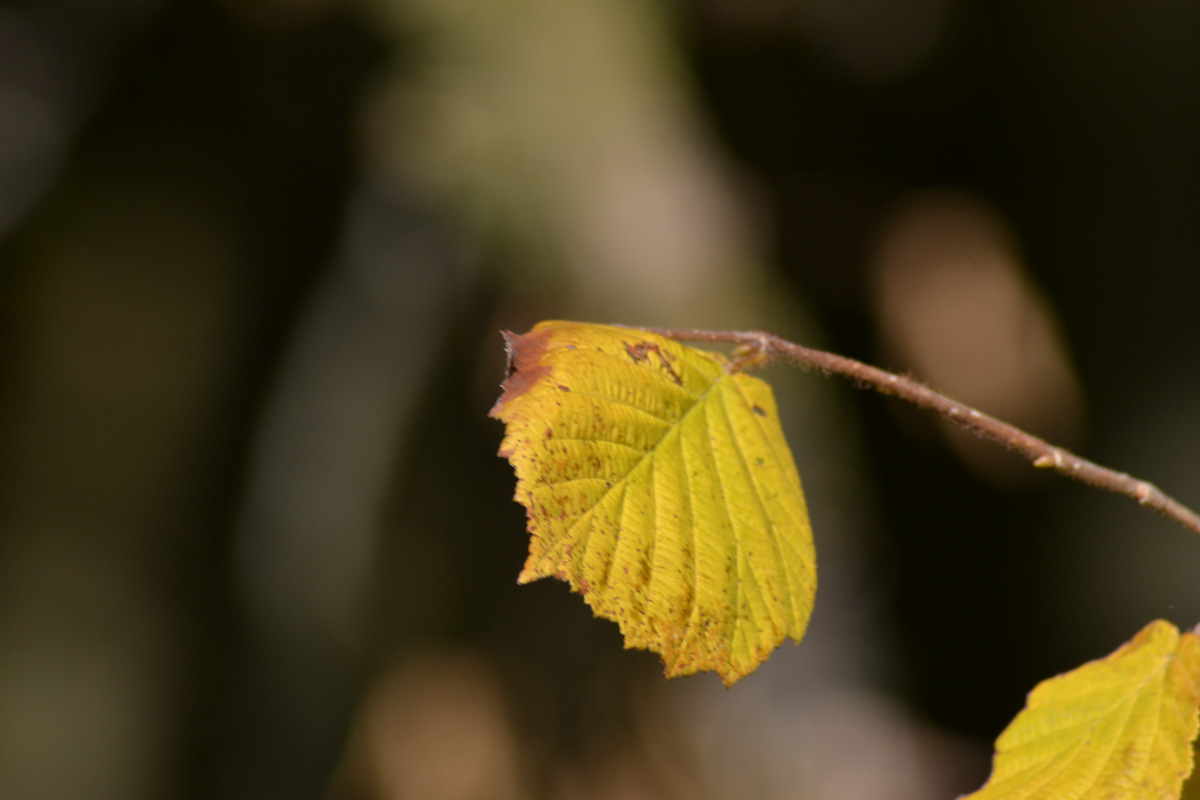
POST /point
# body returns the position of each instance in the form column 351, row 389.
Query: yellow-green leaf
column 1121, row 727
column 658, row 484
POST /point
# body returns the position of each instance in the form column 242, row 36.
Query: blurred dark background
column 254, row 257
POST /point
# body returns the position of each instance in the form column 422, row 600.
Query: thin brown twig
column 760, row 348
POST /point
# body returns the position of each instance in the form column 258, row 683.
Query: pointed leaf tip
column 523, row 370
column 660, row 487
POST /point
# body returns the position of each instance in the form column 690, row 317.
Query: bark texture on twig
column 759, row 348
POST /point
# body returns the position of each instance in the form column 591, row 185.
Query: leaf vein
column 617, row 402
column 773, row 533
column 598, row 441
column 737, row 539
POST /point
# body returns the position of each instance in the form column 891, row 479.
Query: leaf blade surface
column 1120, row 727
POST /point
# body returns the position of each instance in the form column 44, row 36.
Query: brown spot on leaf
column 758, row 410
column 641, row 352
column 525, row 353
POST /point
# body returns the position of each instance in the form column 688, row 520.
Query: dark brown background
column 246, row 359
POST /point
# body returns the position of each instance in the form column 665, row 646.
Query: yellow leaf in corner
column 1121, row 727
column 659, row 486
column 1191, row 786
